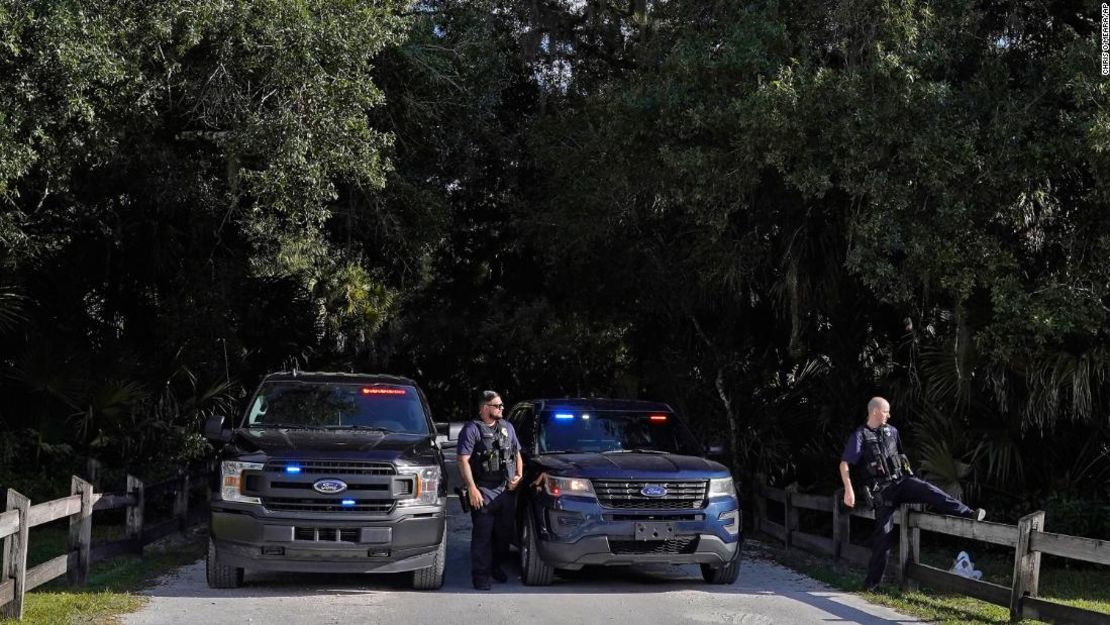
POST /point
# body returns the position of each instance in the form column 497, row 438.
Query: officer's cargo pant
column 908, row 490
column 491, row 534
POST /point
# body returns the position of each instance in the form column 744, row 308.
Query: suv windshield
column 327, row 405
column 612, row 431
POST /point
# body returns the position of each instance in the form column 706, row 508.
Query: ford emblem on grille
column 654, row 490
column 329, row 487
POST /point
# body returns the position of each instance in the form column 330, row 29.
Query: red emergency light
column 378, row 390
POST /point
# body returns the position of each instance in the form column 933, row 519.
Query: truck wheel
column 431, row 578
column 219, row 575
column 726, row 574
column 534, row 571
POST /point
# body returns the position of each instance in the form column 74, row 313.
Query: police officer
column 888, row 482
column 491, row 467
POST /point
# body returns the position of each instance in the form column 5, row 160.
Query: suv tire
column 219, row 575
column 534, row 571
column 431, row 578
column 724, row 575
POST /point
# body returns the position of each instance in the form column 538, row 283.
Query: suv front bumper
column 576, row 531
column 403, row 541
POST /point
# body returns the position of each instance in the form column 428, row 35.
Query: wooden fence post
column 135, row 513
column 80, row 532
column 15, row 556
column 92, row 470
column 181, row 502
column 841, row 524
column 760, row 499
column 1027, row 564
column 909, row 545
column 790, row 519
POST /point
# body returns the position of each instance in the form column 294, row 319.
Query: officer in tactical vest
column 888, row 482
column 491, row 467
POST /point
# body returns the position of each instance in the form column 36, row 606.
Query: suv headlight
column 556, row 486
column 722, row 487
column 231, row 480
column 426, row 492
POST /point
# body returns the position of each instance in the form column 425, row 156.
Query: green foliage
column 762, row 213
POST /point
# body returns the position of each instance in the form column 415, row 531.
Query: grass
column 112, row 583
column 1084, row 587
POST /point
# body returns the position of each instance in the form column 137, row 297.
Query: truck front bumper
column 402, row 542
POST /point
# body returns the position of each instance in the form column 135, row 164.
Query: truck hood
column 632, row 466
column 362, row 444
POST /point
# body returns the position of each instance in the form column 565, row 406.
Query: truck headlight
column 722, row 487
column 231, row 480
column 556, row 486
column 426, row 491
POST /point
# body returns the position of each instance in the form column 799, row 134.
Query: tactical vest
column 493, row 454
column 883, row 461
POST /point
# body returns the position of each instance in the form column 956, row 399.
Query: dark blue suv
column 620, row 482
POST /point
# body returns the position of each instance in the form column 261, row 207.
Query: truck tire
column 724, row 575
column 534, row 571
column 431, row 578
column 219, row 575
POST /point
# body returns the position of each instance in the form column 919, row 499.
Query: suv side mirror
column 715, row 449
column 453, row 431
column 214, row 430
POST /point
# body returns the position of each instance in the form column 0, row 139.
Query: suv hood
column 632, row 465
column 367, row 444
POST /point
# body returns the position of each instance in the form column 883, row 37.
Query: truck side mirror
column 715, row 449
column 443, row 433
column 453, row 432
column 214, row 430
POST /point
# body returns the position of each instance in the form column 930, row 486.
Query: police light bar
column 658, row 418
column 563, row 416
column 379, row 390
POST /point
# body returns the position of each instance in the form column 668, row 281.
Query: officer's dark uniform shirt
column 470, row 438
column 853, row 449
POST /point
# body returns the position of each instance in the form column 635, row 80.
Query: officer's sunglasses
column 496, row 406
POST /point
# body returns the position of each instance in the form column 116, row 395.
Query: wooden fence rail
column 1027, row 538
column 15, row 523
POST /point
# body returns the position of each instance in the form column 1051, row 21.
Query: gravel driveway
column 765, row 593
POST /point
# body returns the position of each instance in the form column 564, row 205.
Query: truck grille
column 289, row 504
column 681, row 544
column 326, row 534
column 343, row 467
column 685, row 495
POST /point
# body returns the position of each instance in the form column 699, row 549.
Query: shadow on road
column 760, row 580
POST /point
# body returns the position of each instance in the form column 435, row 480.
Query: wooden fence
column 1027, row 538
column 16, row 579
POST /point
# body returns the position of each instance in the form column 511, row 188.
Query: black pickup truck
column 329, row 472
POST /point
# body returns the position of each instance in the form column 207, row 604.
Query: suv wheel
column 726, row 574
column 431, row 578
column 219, row 575
column 534, row 571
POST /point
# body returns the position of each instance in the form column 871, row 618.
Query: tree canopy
column 763, row 213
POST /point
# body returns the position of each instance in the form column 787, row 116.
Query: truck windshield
column 390, row 408
column 612, row 431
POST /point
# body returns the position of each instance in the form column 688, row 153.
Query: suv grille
column 320, row 467
column 682, row 544
column 326, row 534
column 686, row 495
column 288, row 504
